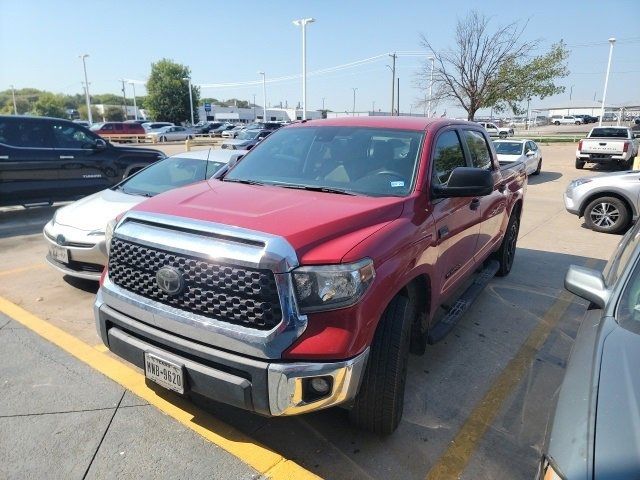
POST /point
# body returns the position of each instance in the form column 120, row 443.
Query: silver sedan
column 170, row 134
column 76, row 233
column 609, row 202
column 526, row 151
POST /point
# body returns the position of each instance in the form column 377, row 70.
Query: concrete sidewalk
column 61, row 419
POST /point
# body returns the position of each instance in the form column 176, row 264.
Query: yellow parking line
column 454, row 460
column 267, row 462
column 101, row 347
column 22, row 269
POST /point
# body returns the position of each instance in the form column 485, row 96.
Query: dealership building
column 248, row 115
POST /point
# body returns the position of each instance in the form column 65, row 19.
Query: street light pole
column 86, row 87
column 430, row 86
column 254, row 107
column 393, row 79
column 188, row 79
column 135, row 105
column 303, row 23
column 13, row 93
column 612, row 40
column 264, row 93
column 353, row 110
column 373, row 107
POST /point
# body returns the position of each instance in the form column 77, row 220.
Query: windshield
column 369, row 161
column 247, row 135
column 508, row 148
column 169, row 173
column 609, row 133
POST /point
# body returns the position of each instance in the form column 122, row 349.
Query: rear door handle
column 66, row 157
column 475, row 204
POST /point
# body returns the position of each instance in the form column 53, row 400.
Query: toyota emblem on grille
column 170, row 280
column 60, row 240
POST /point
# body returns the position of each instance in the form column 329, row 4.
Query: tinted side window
column 447, row 155
column 70, row 136
column 28, row 134
column 478, row 148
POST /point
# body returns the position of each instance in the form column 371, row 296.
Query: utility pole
column 188, row 79
column 254, row 107
column 13, row 93
column 398, row 98
column 124, row 97
column 264, row 93
column 393, row 79
column 431, row 84
column 323, row 103
column 86, row 87
column 135, row 105
column 606, row 79
column 353, row 110
column 373, row 107
column 303, row 23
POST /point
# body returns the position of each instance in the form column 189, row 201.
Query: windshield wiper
column 315, row 188
column 240, row 180
column 129, row 192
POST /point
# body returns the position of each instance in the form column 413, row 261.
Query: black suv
column 43, row 160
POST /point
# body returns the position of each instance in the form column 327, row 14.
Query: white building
column 247, row 115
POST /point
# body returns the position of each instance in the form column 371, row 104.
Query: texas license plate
column 59, row 254
column 167, row 374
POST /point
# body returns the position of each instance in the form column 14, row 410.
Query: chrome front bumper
column 265, row 387
column 82, row 249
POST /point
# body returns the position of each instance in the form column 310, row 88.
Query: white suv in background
column 494, row 131
column 565, row 120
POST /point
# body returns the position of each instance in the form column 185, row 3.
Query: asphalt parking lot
column 476, row 406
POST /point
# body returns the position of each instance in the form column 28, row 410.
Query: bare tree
column 486, row 69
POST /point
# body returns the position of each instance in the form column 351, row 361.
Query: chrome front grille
column 238, row 295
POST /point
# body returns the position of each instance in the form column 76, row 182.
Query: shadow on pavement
column 89, row 286
column 544, row 177
column 443, row 387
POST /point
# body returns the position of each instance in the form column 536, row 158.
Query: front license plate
column 168, row 374
column 59, row 254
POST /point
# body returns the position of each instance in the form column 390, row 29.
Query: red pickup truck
column 303, row 275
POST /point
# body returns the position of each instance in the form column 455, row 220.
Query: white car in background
column 76, row 234
column 170, row 134
column 526, row 151
column 495, row 131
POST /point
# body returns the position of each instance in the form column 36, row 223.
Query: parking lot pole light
column 264, row 93
column 303, row 23
column 135, row 105
column 86, row 87
column 188, row 79
column 254, row 107
column 13, row 93
column 612, row 40
column 431, row 59
column 323, row 98
column 393, row 79
column 353, row 110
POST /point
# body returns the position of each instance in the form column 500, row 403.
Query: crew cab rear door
column 457, row 219
column 84, row 168
column 492, row 208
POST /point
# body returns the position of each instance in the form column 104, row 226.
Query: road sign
column 207, row 107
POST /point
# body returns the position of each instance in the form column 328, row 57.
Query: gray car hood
column 95, row 211
column 617, row 442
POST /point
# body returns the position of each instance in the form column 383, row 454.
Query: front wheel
column 163, row 139
column 507, row 251
column 556, row 123
column 579, row 164
column 379, row 403
column 607, row 215
column 537, row 172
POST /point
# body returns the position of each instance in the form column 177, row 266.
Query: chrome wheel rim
column 604, row 215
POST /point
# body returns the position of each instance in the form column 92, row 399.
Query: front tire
column 507, row 251
column 537, row 172
column 579, row 164
column 607, row 215
column 379, row 403
column 163, row 139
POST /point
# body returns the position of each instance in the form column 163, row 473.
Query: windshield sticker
column 397, row 184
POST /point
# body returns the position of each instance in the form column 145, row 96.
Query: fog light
column 320, row 385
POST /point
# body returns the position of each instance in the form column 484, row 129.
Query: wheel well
column 418, row 292
column 622, row 198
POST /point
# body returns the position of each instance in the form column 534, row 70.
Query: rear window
column 609, row 133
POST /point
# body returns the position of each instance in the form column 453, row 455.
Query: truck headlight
column 108, row 234
column 330, row 287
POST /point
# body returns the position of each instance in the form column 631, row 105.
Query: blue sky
column 230, row 41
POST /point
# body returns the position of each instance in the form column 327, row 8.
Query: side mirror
column 530, row 153
column 466, row 182
column 588, row 284
column 100, row 144
column 636, row 135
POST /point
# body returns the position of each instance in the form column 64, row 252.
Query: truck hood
column 95, row 211
column 617, row 442
column 321, row 227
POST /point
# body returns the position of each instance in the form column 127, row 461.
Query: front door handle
column 502, row 187
column 66, row 157
column 475, row 204
column 443, row 232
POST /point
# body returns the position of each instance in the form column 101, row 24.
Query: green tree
column 168, row 93
column 50, row 105
column 492, row 68
column 95, row 115
column 113, row 114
